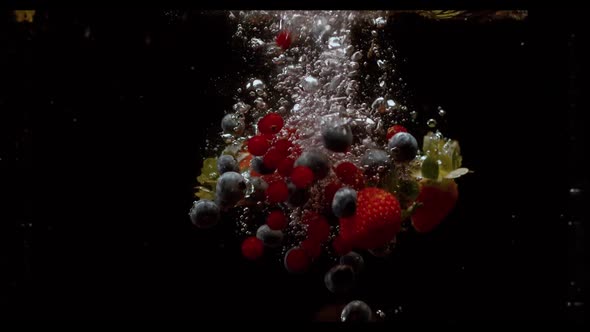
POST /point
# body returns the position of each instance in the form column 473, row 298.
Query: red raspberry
column 286, row 166
column 318, row 228
column 277, row 192
column 296, row 260
column 272, row 158
column 394, row 130
column 252, row 248
column 312, row 248
column 276, row 220
column 284, row 39
column 302, row 177
column 270, row 124
column 258, row 145
column 350, row 175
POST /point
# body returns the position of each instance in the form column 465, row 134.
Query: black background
column 109, row 131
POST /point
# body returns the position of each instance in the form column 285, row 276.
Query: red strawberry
column 376, row 222
column 438, row 200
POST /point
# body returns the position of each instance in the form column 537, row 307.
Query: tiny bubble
column 522, row 44
column 431, row 123
column 575, row 191
column 75, row 120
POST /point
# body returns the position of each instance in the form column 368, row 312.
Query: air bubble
column 431, row 123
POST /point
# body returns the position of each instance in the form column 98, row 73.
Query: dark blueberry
column 354, row 260
column 258, row 166
column 337, row 138
column 340, row 278
column 344, row 202
column 356, row 311
column 317, row 161
column 230, row 188
column 204, row 213
column 232, row 124
column 270, row 238
column 227, row 163
column 375, row 160
column 403, row 147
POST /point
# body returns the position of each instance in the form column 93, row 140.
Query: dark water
column 112, row 107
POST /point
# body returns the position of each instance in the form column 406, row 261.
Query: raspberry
column 312, row 248
column 258, row 145
column 272, row 158
column 277, row 192
column 284, row 39
column 276, row 220
column 296, row 260
column 394, row 130
column 302, row 177
column 252, row 248
column 318, row 228
column 286, row 166
column 270, row 124
column 350, row 175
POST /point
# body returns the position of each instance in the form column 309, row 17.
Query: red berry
column 258, row 145
column 394, row 130
column 276, row 220
column 340, row 246
column 296, row 260
column 270, row 124
column 350, row 175
column 376, row 222
column 270, row 178
column 286, row 166
column 330, row 190
column 283, row 145
column 272, row 158
column 318, row 228
column 277, row 192
column 284, row 39
column 302, row 177
column 252, row 248
column 312, row 248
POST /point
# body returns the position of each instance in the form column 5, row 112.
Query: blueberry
column 204, row 213
column 297, row 196
column 337, row 138
column 270, row 238
column 230, row 188
column 257, row 187
column 233, row 124
column 356, row 311
column 354, row 260
column 227, row 163
column 317, row 161
column 344, row 202
column 258, row 166
column 403, row 146
column 340, row 278
column 375, row 160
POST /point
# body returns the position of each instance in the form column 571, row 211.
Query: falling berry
column 277, row 192
column 283, row 145
column 296, row 260
column 272, row 158
column 394, row 130
column 302, row 177
column 330, row 190
column 286, row 166
column 350, row 175
column 252, row 248
column 270, row 124
column 276, row 220
column 284, row 39
column 258, row 145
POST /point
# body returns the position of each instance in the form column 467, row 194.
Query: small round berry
column 270, row 238
column 394, row 130
column 277, row 192
column 356, row 311
column 233, row 124
column 227, row 163
column 297, row 196
column 340, row 278
column 258, row 187
column 284, row 39
column 355, row 260
column 286, row 166
column 341, row 246
column 230, row 188
column 375, row 160
column 258, row 145
column 317, row 161
column 276, row 220
column 403, row 146
column 296, row 260
column 302, row 177
column 270, row 124
column 273, row 158
column 252, row 248
column 330, row 190
column 350, row 175
column 204, row 213
column 319, row 230
column 344, row 203
column 337, row 138
column 283, row 145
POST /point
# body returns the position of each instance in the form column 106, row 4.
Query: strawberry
column 438, row 199
column 376, row 222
